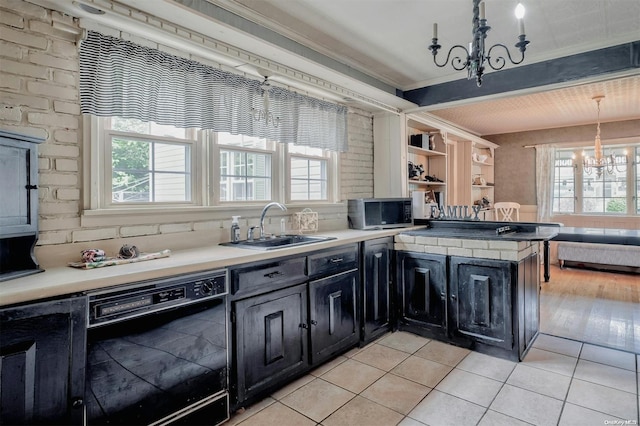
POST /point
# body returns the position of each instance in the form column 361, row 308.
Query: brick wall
column 39, row 97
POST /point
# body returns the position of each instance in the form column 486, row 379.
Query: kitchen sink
column 278, row 242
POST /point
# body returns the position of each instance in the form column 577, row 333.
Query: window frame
column 331, row 170
column 205, row 179
column 632, row 178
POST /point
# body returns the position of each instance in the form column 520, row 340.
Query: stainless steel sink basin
column 278, row 242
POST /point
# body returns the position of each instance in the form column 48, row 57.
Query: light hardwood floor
column 596, row 307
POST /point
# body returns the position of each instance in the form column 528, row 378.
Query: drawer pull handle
column 336, row 260
column 273, row 274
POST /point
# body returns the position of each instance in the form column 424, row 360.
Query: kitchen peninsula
column 474, row 284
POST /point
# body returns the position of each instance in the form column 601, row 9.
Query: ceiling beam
column 599, row 62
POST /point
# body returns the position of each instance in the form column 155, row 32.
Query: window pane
column 245, row 141
column 604, row 191
column 147, row 171
column 564, row 183
column 248, row 178
column 308, row 179
column 147, row 128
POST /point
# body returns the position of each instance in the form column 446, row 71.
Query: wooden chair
column 504, row 211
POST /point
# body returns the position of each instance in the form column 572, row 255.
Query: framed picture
column 430, row 197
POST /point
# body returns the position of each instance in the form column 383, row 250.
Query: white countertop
column 66, row 280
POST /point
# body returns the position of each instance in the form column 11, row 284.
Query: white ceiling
column 388, row 40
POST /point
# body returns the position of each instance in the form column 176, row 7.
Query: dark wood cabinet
column 270, row 339
column 333, row 314
column 42, row 358
column 376, row 287
column 19, row 206
column 480, row 300
column 491, row 306
column 422, row 291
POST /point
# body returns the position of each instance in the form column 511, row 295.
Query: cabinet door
column 42, row 358
column 333, row 313
column 270, row 338
column 480, row 297
column 18, row 180
column 528, row 300
column 376, row 286
column 422, row 284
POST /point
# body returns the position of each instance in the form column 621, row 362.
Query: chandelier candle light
column 599, row 161
column 476, row 57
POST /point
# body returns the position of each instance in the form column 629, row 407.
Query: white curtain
column 123, row 79
column 545, row 162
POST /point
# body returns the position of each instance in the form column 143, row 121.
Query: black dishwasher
column 157, row 352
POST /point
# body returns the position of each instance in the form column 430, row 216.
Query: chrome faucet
column 264, row 212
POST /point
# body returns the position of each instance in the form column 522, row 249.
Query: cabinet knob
column 443, row 295
column 454, row 297
column 77, row 402
column 303, row 325
column 31, row 186
column 314, row 322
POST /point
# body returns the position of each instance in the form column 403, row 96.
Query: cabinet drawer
column 267, row 276
column 333, row 261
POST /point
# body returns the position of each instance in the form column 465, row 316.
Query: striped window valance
column 120, row 78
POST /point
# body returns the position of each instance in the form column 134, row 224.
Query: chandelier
column 264, row 115
column 599, row 161
column 475, row 57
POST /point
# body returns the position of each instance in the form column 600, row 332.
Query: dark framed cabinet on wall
column 19, row 204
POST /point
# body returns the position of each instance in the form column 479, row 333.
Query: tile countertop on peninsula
column 64, row 280
column 486, row 230
column 478, row 239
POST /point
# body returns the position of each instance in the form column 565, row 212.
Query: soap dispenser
column 235, row 229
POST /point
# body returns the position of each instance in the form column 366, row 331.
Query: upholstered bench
column 601, row 254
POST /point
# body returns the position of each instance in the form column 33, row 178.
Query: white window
column 146, row 163
column 564, row 188
column 138, row 165
column 245, row 168
column 309, row 173
column 614, row 192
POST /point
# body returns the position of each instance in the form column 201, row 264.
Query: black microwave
column 379, row 213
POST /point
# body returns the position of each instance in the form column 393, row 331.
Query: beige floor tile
column 328, row 366
column 609, row 356
column 408, row 421
column 396, row 393
column 352, row 352
column 493, row 418
column 487, row 366
column 527, row 406
column 550, row 361
column 353, row 375
column 558, row 345
column 442, row 409
column 540, row 381
column 423, row 371
column 403, row 341
column 606, row 375
column 317, row 399
column 442, row 353
column 382, row 357
column 603, row 399
column 574, row 415
column 278, row 415
column 296, row 384
column 361, row 411
column 470, row 387
column 244, row 413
